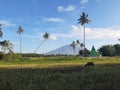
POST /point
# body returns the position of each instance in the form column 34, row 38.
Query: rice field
column 60, row 73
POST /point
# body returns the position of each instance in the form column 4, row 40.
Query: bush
column 2, row 55
column 12, row 56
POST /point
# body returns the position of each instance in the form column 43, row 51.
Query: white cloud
column 7, row 24
column 56, row 20
column 84, row 1
column 68, row 8
column 97, row 33
column 92, row 33
column 53, row 37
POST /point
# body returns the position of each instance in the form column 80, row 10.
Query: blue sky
column 59, row 19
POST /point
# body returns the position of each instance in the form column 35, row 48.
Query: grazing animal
column 89, row 64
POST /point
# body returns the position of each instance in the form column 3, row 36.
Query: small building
column 94, row 53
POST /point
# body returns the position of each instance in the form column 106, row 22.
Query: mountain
column 67, row 49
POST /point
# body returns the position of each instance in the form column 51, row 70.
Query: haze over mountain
column 66, row 49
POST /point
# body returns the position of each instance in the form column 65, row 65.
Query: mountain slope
column 67, row 49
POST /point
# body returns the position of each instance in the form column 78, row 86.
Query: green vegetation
column 60, row 73
column 45, row 37
column 71, row 78
column 39, row 72
column 83, row 20
column 110, row 50
column 20, row 31
column 53, row 61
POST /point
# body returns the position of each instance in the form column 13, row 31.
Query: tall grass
column 44, row 62
column 69, row 78
column 60, row 73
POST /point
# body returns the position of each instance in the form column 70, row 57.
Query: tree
column 6, row 46
column 107, row 50
column 45, row 37
column 118, row 39
column 20, row 31
column 73, row 45
column 83, row 20
column 81, row 44
column 1, row 33
column 117, row 49
column 78, row 42
column 82, row 50
column 85, row 52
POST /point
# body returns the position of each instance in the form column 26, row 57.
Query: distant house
column 94, row 53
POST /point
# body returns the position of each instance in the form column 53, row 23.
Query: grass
column 69, row 78
column 44, row 62
column 60, row 73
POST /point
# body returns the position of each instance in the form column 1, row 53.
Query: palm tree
column 81, row 44
column 73, row 45
column 118, row 39
column 83, row 20
column 1, row 33
column 45, row 37
column 78, row 42
column 20, row 31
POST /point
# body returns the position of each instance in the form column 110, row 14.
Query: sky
column 59, row 19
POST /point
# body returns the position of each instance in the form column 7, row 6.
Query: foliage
column 117, row 49
column 2, row 55
column 31, row 55
column 20, row 31
column 110, row 50
column 45, row 37
column 67, row 78
column 7, row 46
column 10, row 56
column 1, row 33
column 83, row 20
column 73, row 45
column 60, row 73
column 85, row 52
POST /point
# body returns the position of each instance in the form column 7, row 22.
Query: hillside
column 66, row 49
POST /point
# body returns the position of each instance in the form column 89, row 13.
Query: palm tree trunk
column 84, row 41
column 39, row 46
column 20, row 45
column 74, row 51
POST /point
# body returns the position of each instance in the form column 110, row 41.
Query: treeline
column 110, row 50
column 42, row 55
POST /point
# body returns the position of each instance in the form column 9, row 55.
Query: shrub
column 12, row 56
column 2, row 55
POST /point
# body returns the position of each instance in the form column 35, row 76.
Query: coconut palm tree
column 81, row 44
column 78, row 42
column 1, row 33
column 118, row 39
column 20, row 31
column 83, row 20
column 73, row 45
column 45, row 37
